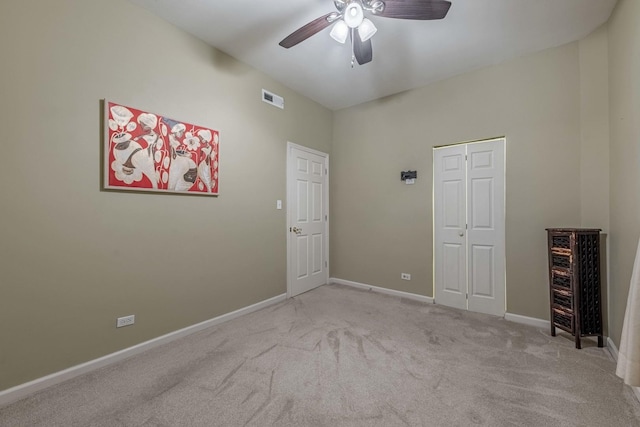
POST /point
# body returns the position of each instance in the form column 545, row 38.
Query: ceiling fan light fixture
column 349, row 16
column 353, row 15
column 340, row 31
column 366, row 30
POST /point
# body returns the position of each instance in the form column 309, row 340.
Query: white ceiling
column 406, row 54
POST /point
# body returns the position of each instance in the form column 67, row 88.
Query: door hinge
column 326, row 264
column 467, row 296
column 325, row 217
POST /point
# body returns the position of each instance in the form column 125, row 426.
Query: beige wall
column 594, row 153
column 381, row 227
column 594, row 124
column 73, row 258
column 624, row 99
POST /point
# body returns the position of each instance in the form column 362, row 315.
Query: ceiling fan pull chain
column 353, row 54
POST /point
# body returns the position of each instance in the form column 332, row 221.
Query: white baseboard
column 614, row 353
column 531, row 321
column 386, row 291
column 23, row 390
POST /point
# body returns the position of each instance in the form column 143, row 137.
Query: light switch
column 279, row 204
column 410, row 181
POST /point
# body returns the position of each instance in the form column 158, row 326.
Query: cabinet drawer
column 563, row 299
column 560, row 280
column 559, row 260
column 563, row 320
column 561, row 241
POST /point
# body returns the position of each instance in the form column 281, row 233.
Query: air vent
column 273, row 99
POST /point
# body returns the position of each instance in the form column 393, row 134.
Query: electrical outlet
column 125, row 321
column 405, row 276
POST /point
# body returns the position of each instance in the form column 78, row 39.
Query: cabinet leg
column 578, row 346
column 600, row 341
column 553, row 330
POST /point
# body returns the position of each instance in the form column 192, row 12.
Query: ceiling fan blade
column 363, row 51
column 415, row 9
column 303, row 33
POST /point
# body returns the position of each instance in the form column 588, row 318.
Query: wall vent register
column 273, row 99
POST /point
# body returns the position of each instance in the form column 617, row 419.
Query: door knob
column 297, row 230
column 460, row 233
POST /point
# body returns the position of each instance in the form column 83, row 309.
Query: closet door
column 450, row 226
column 469, row 239
column 485, row 229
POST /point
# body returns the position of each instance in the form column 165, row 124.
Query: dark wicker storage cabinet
column 574, row 282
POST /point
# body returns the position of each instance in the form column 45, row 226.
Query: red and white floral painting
column 149, row 152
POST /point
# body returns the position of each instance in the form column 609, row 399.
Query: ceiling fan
column 350, row 18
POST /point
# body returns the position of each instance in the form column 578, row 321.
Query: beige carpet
column 338, row 356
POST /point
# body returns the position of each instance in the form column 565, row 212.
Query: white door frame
column 290, row 190
column 502, row 261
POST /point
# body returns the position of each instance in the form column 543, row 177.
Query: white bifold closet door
column 469, row 238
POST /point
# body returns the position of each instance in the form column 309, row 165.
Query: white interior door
column 485, row 233
column 450, row 224
column 307, row 212
column 469, row 252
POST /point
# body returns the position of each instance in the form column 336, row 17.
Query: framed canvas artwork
column 149, row 152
